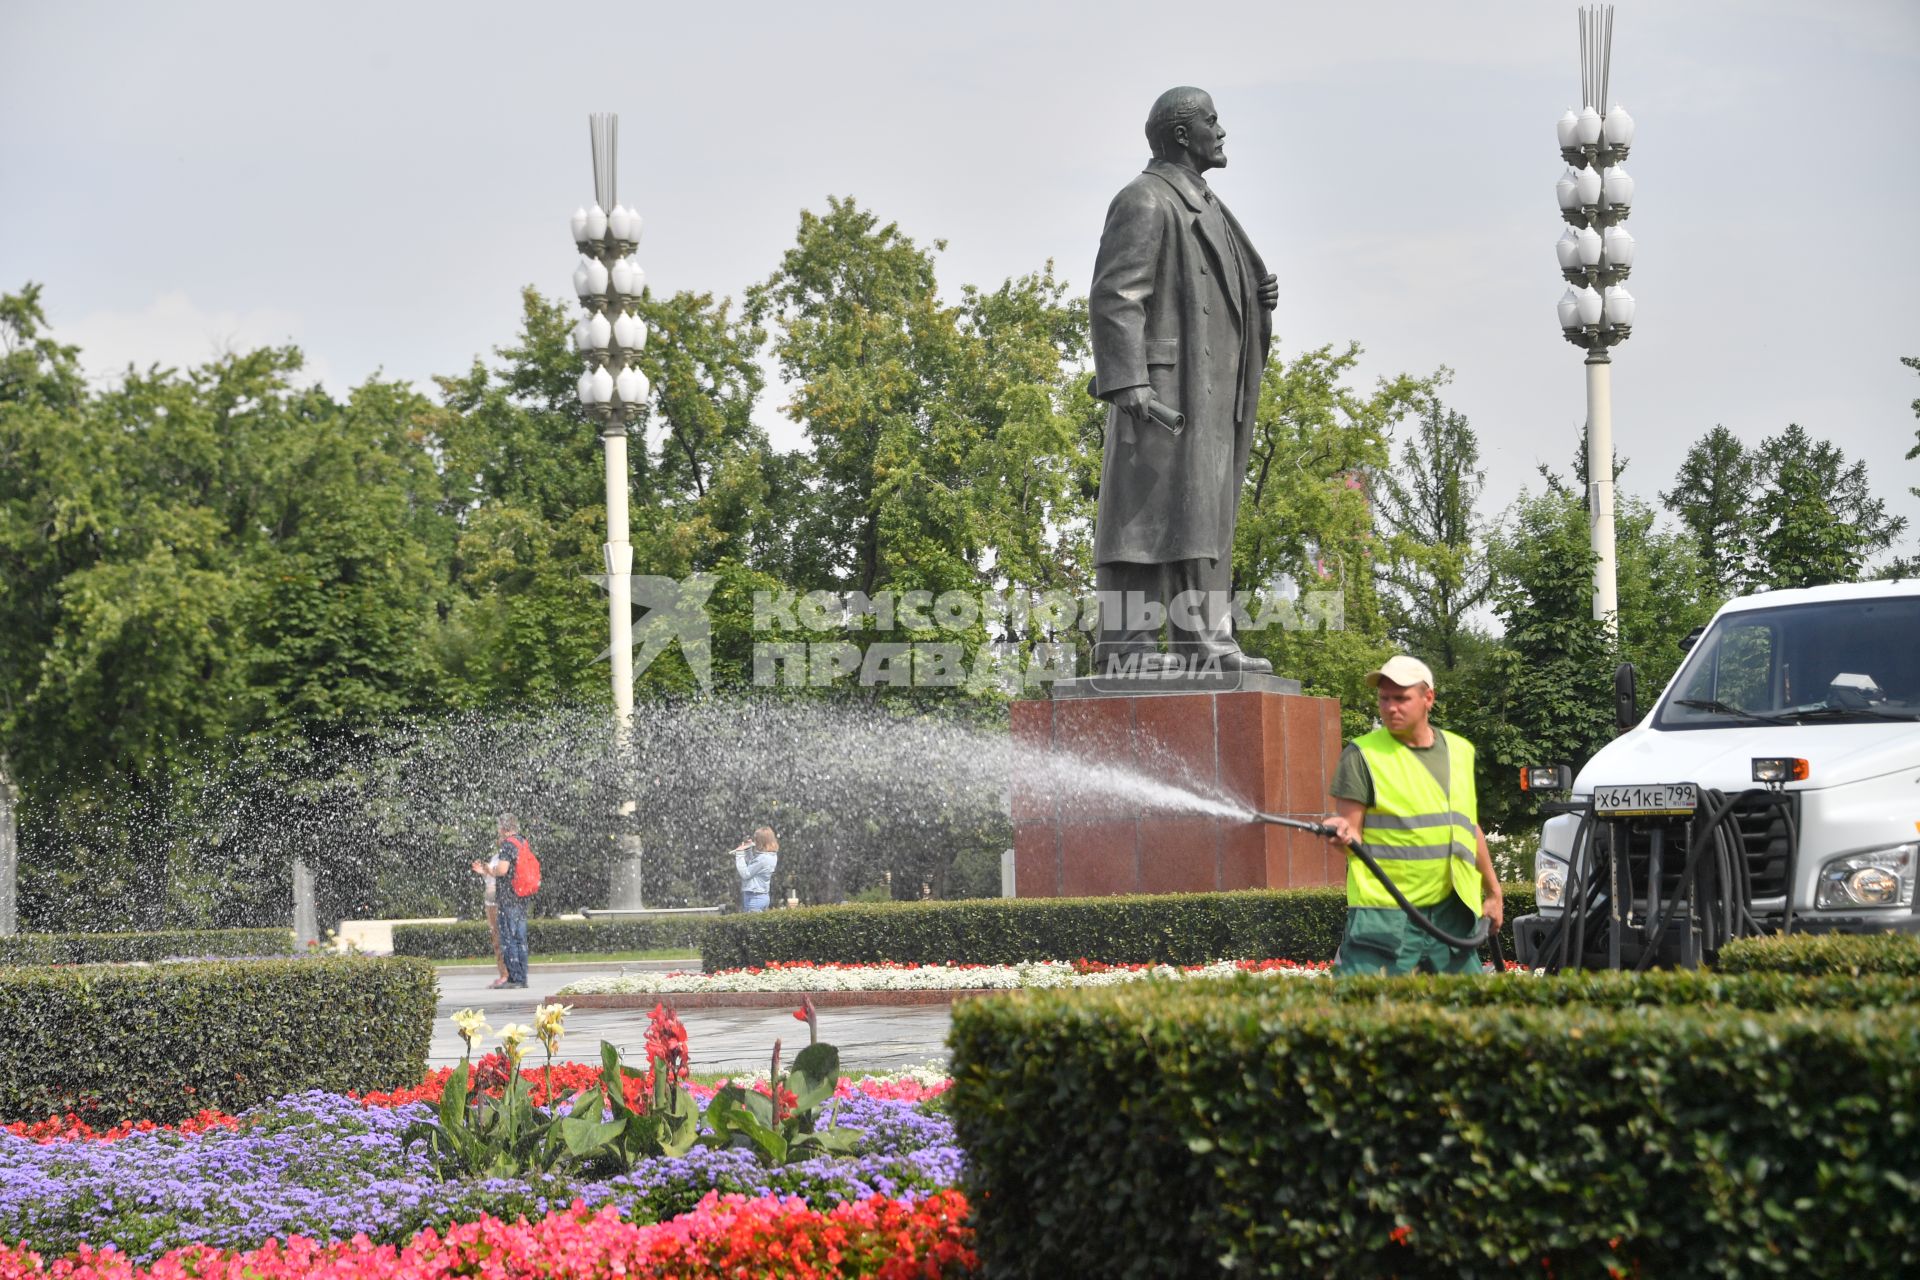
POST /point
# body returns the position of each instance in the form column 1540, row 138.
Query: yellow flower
column 472, row 1024
column 511, row 1037
column 548, row 1022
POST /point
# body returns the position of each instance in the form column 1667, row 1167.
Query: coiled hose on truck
column 1727, row 915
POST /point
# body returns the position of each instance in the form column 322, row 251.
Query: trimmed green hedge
column 1173, row 928
column 470, row 939
column 99, row 948
column 1601, row 989
column 114, row 1043
column 1441, row 1127
column 1827, row 953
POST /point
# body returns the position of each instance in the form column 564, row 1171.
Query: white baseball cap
column 1403, row 671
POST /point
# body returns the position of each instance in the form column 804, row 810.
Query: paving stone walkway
column 869, row 1039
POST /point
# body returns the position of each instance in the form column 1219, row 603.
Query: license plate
column 1641, row 801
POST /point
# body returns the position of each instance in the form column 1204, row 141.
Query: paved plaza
column 869, row 1039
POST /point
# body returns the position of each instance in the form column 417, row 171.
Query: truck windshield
column 1837, row 660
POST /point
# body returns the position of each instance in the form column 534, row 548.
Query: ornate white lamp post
column 609, row 282
column 1596, row 255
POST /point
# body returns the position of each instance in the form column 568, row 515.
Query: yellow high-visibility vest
column 1422, row 836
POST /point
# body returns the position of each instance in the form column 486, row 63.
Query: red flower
column 667, row 1042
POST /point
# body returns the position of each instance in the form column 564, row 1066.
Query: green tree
column 1435, row 570
column 48, row 521
column 869, row 350
column 527, row 487
column 1663, row 592
column 1547, row 692
column 1713, row 498
column 1306, row 519
column 1035, row 463
column 1817, row 520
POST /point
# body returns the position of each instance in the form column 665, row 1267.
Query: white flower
column 929, row 977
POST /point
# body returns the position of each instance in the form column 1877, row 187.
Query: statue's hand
column 1133, row 402
column 1270, row 292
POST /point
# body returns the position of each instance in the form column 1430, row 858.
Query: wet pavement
column 869, row 1039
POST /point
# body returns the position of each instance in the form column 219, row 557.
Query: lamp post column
column 1600, row 483
column 619, row 563
column 614, row 392
column 1596, row 256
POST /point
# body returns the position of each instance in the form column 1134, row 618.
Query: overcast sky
column 376, row 182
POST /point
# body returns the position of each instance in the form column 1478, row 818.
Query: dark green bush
column 1678, row 988
column 114, row 1043
column 469, row 939
column 1827, row 953
column 1364, row 1129
column 98, row 948
column 1174, row 928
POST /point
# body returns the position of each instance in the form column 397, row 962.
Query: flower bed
column 805, row 1167
column 332, row 1167
column 722, row 1236
column 783, row 978
column 328, row 1167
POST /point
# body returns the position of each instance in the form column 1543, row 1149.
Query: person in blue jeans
column 756, row 872
column 513, row 907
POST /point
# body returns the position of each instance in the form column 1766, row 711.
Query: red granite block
column 1098, row 858
column 1307, row 776
column 1332, row 737
column 1095, row 731
column 1243, row 748
column 1031, row 720
column 1335, row 870
column 1179, row 854
column 1279, row 843
column 1032, row 725
column 1274, row 752
column 1175, row 738
column 1036, row 860
column 1243, row 855
column 1307, row 862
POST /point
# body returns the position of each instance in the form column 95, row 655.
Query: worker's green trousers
column 1383, row 940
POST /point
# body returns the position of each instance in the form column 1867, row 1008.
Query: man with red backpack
column 519, row 879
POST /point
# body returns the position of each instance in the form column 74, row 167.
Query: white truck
column 1774, row 786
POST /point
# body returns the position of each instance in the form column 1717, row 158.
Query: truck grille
column 1763, row 840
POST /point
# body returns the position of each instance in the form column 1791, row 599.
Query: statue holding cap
column 1407, row 791
column 1182, row 317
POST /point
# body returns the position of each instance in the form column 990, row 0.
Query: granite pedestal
column 1254, row 740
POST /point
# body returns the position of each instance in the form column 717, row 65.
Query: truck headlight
column 1549, row 880
column 1881, row 878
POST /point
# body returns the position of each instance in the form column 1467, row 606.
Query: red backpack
column 526, row 868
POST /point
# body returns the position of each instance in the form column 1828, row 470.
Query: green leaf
column 586, row 1135
column 815, row 1075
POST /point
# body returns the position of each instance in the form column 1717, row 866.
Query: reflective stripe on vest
column 1423, row 836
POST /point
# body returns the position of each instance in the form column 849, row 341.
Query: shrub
column 1383, row 1128
column 1826, row 953
column 470, row 939
column 96, row 948
column 116, row 1043
column 1174, row 928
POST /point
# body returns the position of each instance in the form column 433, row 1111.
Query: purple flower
column 328, row 1167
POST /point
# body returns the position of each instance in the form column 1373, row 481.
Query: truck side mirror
column 1626, row 712
column 1692, row 638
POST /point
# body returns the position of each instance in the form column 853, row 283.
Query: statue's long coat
column 1174, row 306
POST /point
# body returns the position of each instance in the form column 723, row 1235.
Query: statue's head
column 1184, row 127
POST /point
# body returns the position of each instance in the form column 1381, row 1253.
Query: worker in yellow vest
column 1406, row 791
